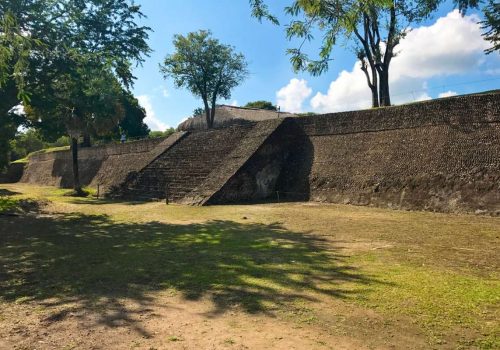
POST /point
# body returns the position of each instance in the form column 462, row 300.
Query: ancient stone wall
column 250, row 170
column 55, row 168
column 441, row 155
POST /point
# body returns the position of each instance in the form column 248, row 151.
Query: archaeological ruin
column 441, row 155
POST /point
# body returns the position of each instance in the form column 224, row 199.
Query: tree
column 132, row 123
column 491, row 25
column 198, row 111
column 74, row 57
column 25, row 143
column 374, row 26
column 261, row 105
column 491, row 22
column 205, row 67
column 87, row 101
column 8, row 128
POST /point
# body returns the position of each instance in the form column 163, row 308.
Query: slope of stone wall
column 250, row 171
column 440, row 155
column 55, row 168
column 117, row 168
column 184, row 166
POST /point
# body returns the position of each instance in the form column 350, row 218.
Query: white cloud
column 165, row 92
column 452, row 45
column 291, row 97
column 234, row 103
column 448, row 93
column 348, row 91
column 151, row 120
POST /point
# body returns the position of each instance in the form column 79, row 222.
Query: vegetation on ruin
column 435, row 275
column 261, row 105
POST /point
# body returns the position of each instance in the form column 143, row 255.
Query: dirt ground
column 90, row 274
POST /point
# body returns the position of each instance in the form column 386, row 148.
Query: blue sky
column 442, row 56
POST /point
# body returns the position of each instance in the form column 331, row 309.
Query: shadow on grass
column 97, row 262
column 7, row 193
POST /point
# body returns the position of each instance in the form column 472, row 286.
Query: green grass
column 438, row 300
column 8, row 205
column 440, row 271
column 48, row 150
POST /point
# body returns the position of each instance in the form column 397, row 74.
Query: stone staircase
column 184, row 166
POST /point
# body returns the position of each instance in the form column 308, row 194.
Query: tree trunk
column 86, row 141
column 385, row 97
column 207, row 114
column 374, row 88
column 212, row 115
column 76, row 177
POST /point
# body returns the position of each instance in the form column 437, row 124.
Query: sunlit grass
column 441, row 271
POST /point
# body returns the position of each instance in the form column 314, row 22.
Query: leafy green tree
column 157, row 133
column 491, row 25
column 8, row 128
column 375, row 27
column 205, row 67
column 133, row 120
column 25, row 143
column 198, row 111
column 61, row 47
column 491, row 22
column 86, row 101
column 261, row 105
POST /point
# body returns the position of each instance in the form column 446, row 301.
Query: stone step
column 185, row 165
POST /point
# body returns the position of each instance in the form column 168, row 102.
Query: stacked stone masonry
column 441, row 155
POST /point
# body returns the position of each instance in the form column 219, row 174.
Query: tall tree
column 77, row 39
column 374, row 26
column 205, row 67
column 86, row 100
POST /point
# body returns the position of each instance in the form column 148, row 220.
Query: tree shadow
column 96, row 262
column 7, row 193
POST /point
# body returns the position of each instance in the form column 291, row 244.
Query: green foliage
column 25, row 143
column 8, row 128
column 307, row 114
column 157, row 133
column 133, row 121
column 205, row 67
column 198, row 111
column 261, row 105
column 491, row 25
column 375, row 27
column 63, row 141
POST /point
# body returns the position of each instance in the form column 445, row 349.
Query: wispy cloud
column 151, row 119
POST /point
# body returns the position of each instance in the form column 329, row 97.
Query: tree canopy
column 69, row 61
column 374, row 27
column 204, row 66
column 261, row 105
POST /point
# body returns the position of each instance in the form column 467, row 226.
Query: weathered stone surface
column 180, row 169
column 441, row 155
column 237, row 178
column 55, row 168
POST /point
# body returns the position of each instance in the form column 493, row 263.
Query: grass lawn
column 88, row 273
